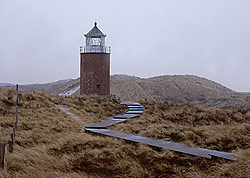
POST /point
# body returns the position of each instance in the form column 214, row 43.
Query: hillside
column 179, row 89
column 6, row 85
column 50, row 143
column 176, row 88
column 53, row 87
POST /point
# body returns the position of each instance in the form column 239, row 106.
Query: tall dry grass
column 49, row 142
column 213, row 128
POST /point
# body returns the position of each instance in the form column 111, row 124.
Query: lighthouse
column 95, row 64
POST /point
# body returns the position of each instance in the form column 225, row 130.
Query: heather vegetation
column 50, row 143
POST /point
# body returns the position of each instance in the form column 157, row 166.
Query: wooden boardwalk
column 196, row 151
column 126, row 116
column 66, row 110
column 105, row 124
column 135, row 109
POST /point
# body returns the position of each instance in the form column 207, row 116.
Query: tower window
column 98, row 87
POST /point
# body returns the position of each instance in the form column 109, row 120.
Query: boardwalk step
column 131, row 103
column 126, row 116
column 134, row 112
column 105, row 124
column 135, row 109
column 135, row 106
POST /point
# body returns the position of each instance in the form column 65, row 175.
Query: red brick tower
column 95, row 64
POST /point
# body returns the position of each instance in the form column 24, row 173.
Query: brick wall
column 95, row 73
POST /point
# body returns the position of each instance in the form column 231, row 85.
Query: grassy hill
column 176, row 88
column 49, row 143
column 179, row 89
column 53, row 87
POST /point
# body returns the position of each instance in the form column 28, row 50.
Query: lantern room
column 95, row 41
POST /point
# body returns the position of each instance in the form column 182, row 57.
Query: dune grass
column 49, row 143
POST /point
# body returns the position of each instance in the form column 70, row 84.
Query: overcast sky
column 40, row 39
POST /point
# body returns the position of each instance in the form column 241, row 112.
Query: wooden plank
column 106, row 123
column 126, row 116
column 135, row 106
column 135, row 109
column 130, row 103
column 134, row 112
column 196, row 151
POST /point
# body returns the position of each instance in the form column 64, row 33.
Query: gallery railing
column 95, row 49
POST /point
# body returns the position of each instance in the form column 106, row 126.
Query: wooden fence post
column 2, row 153
column 16, row 121
column 10, row 143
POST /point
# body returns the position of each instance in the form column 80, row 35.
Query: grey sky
column 40, row 40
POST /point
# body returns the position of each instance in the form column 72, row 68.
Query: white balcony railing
column 95, row 49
